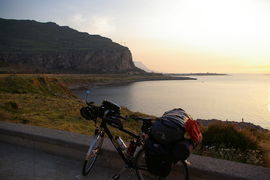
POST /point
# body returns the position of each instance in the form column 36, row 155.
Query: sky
column 176, row 36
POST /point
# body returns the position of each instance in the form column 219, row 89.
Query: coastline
column 197, row 74
column 86, row 81
column 79, row 85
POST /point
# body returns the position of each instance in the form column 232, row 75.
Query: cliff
column 29, row 46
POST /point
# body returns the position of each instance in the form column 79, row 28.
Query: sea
column 235, row 97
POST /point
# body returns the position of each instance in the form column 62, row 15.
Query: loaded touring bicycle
column 146, row 155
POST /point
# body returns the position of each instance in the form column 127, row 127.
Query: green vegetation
column 33, row 85
column 226, row 141
column 228, row 136
column 40, row 101
column 44, row 100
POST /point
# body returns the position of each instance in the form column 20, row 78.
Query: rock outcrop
column 34, row 47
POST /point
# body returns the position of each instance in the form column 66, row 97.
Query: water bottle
column 121, row 143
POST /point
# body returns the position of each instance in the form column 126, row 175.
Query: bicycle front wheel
column 179, row 170
column 92, row 153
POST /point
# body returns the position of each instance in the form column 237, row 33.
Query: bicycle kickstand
column 117, row 176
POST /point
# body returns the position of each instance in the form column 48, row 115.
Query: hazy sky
column 230, row 36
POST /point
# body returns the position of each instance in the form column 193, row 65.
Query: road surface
column 20, row 163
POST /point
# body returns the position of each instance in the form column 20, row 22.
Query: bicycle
column 133, row 155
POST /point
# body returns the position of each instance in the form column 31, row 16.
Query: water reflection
column 225, row 97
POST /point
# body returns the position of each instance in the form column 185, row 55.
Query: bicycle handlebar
column 111, row 113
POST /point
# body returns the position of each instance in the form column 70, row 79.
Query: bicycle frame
column 132, row 161
column 105, row 129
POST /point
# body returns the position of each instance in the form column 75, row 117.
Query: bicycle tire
column 179, row 171
column 92, row 153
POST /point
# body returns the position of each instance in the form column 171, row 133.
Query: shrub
column 228, row 136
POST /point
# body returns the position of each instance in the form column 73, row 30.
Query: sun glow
column 219, row 24
column 234, row 29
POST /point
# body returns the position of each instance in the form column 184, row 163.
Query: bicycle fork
column 90, row 149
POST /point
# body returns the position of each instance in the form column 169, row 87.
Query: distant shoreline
column 86, row 81
column 78, row 85
column 197, row 74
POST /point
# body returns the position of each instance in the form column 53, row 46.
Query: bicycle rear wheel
column 179, row 171
column 92, row 153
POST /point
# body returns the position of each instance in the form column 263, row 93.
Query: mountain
column 30, row 46
column 140, row 65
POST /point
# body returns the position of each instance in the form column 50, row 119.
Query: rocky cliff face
column 30, row 47
column 73, row 61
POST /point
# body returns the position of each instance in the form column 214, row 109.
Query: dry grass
column 43, row 100
column 264, row 144
column 225, row 141
column 45, row 111
column 40, row 101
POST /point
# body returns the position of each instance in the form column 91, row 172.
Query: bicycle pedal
column 116, row 176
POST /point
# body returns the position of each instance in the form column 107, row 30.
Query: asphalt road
column 20, row 163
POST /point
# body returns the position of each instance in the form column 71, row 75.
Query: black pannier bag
column 170, row 127
column 166, row 144
column 181, row 150
column 113, row 111
column 158, row 158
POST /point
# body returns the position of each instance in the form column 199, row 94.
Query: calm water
column 221, row 97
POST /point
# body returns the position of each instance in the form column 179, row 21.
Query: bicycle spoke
column 92, row 153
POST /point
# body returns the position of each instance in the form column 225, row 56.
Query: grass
column 264, row 144
column 228, row 136
column 226, row 141
column 45, row 111
column 43, row 100
column 40, row 101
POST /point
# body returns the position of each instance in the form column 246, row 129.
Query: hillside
column 44, row 100
column 29, row 46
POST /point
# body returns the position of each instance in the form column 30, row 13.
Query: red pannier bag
column 191, row 127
